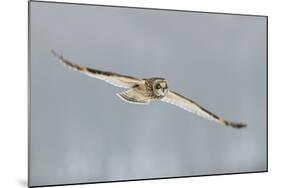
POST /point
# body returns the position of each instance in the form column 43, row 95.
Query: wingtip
column 56, row 55
column 238, row 125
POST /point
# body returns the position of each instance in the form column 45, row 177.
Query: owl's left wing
column 113, row 78
column 191, row 106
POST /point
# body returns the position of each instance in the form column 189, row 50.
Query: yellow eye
column 158, row 86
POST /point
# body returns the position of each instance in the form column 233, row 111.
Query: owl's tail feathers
column 130, row 97
column 237, row 125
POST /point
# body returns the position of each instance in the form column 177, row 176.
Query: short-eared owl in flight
column 143, row 91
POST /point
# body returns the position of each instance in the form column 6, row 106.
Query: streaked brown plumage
column 143, row 91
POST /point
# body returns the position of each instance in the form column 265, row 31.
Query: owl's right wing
column 191, row 106
column 115, row 79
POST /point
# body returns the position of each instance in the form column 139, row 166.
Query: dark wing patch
column 115, row 79
column 191, row 106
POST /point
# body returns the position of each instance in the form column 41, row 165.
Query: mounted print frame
column 128, row 93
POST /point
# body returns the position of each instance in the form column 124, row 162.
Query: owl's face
column 160, row 87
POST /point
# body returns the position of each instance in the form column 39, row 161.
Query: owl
column 144, row 91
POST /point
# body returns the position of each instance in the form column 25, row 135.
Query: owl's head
column 160, row 87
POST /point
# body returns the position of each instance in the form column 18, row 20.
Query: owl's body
column 144, row 91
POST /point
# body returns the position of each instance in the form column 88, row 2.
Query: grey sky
column 82, row 132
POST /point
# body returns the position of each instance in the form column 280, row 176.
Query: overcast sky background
column 82, row 132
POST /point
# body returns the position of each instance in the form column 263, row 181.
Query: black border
column 29, row 94
column 86, row 4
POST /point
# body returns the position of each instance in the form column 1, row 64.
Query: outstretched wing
column 115, row 79
column 191, row 106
